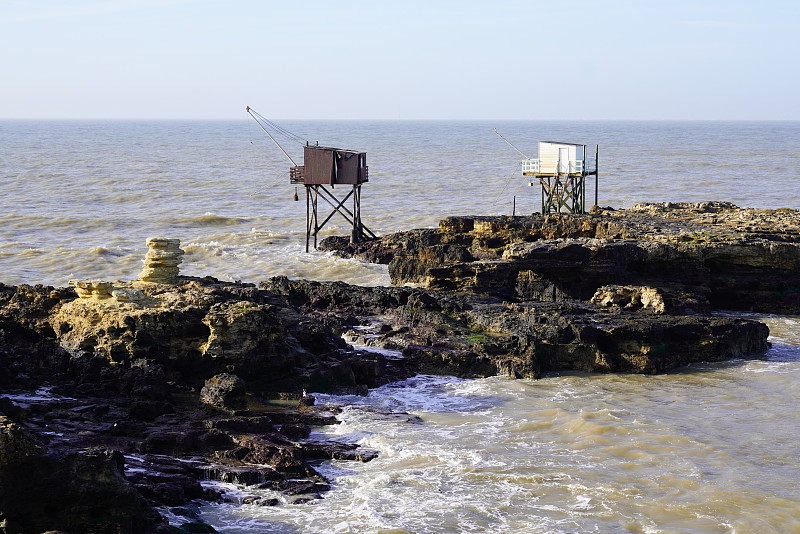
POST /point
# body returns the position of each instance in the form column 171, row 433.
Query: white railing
column 532, row 166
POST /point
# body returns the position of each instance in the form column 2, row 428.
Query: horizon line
column 394, row 119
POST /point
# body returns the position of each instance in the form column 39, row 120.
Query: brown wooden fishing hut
column 325, row 167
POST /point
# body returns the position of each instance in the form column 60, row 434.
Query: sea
column 709, row 448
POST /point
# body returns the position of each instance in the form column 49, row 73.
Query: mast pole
column 270, row 136
column 596, row 172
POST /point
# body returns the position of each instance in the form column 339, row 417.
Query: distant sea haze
column 706, row 449
column 81, row 197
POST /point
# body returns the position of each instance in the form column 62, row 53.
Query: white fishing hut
column 562, row 169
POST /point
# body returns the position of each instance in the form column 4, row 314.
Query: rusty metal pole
column 583, row 193
column 541, row 182
column 308, row 215
column 596, row 172
column 354, row 238
column 583, row 182
column 316, row 216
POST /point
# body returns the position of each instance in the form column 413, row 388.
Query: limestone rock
column 715, row 254
column 713, row 206
column 630, row 297
column 92, row 289
column 197, row 327
column 469, row 334
column 109, row 293
column 161, row 261
column 238, row 329
column 129, row 294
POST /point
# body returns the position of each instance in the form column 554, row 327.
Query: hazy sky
column 401, row 59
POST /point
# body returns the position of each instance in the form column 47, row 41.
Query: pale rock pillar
column 162, row 260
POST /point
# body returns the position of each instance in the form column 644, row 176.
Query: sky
column 409, row 59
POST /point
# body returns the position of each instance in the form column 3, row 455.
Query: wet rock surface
column 474, row 335
column 224, row 391
column 88, row 464
column 149, row 401
column 150, row 393
column 43, row 488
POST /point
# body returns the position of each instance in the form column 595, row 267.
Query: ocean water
column 80, row 198
column 709, row 448
column 712, row 448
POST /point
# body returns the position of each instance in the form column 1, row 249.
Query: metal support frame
column 568, row 189
column 313, row 226
column 563, row 190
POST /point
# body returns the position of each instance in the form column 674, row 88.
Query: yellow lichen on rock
column 631, row 297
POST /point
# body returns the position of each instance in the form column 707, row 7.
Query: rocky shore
column 122, row 402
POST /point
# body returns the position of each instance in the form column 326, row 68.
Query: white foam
column 422, row 393
column 40, row 395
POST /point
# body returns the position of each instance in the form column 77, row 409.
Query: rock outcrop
column 81, row 491
column 224, row 391
column 199, row 328
column 468, row 334
column 130, row 372
column 708, row 254
column 631, row 297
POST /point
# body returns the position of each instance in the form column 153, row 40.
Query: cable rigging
column 264, row 123
column 519, row 165
column 510, row 144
